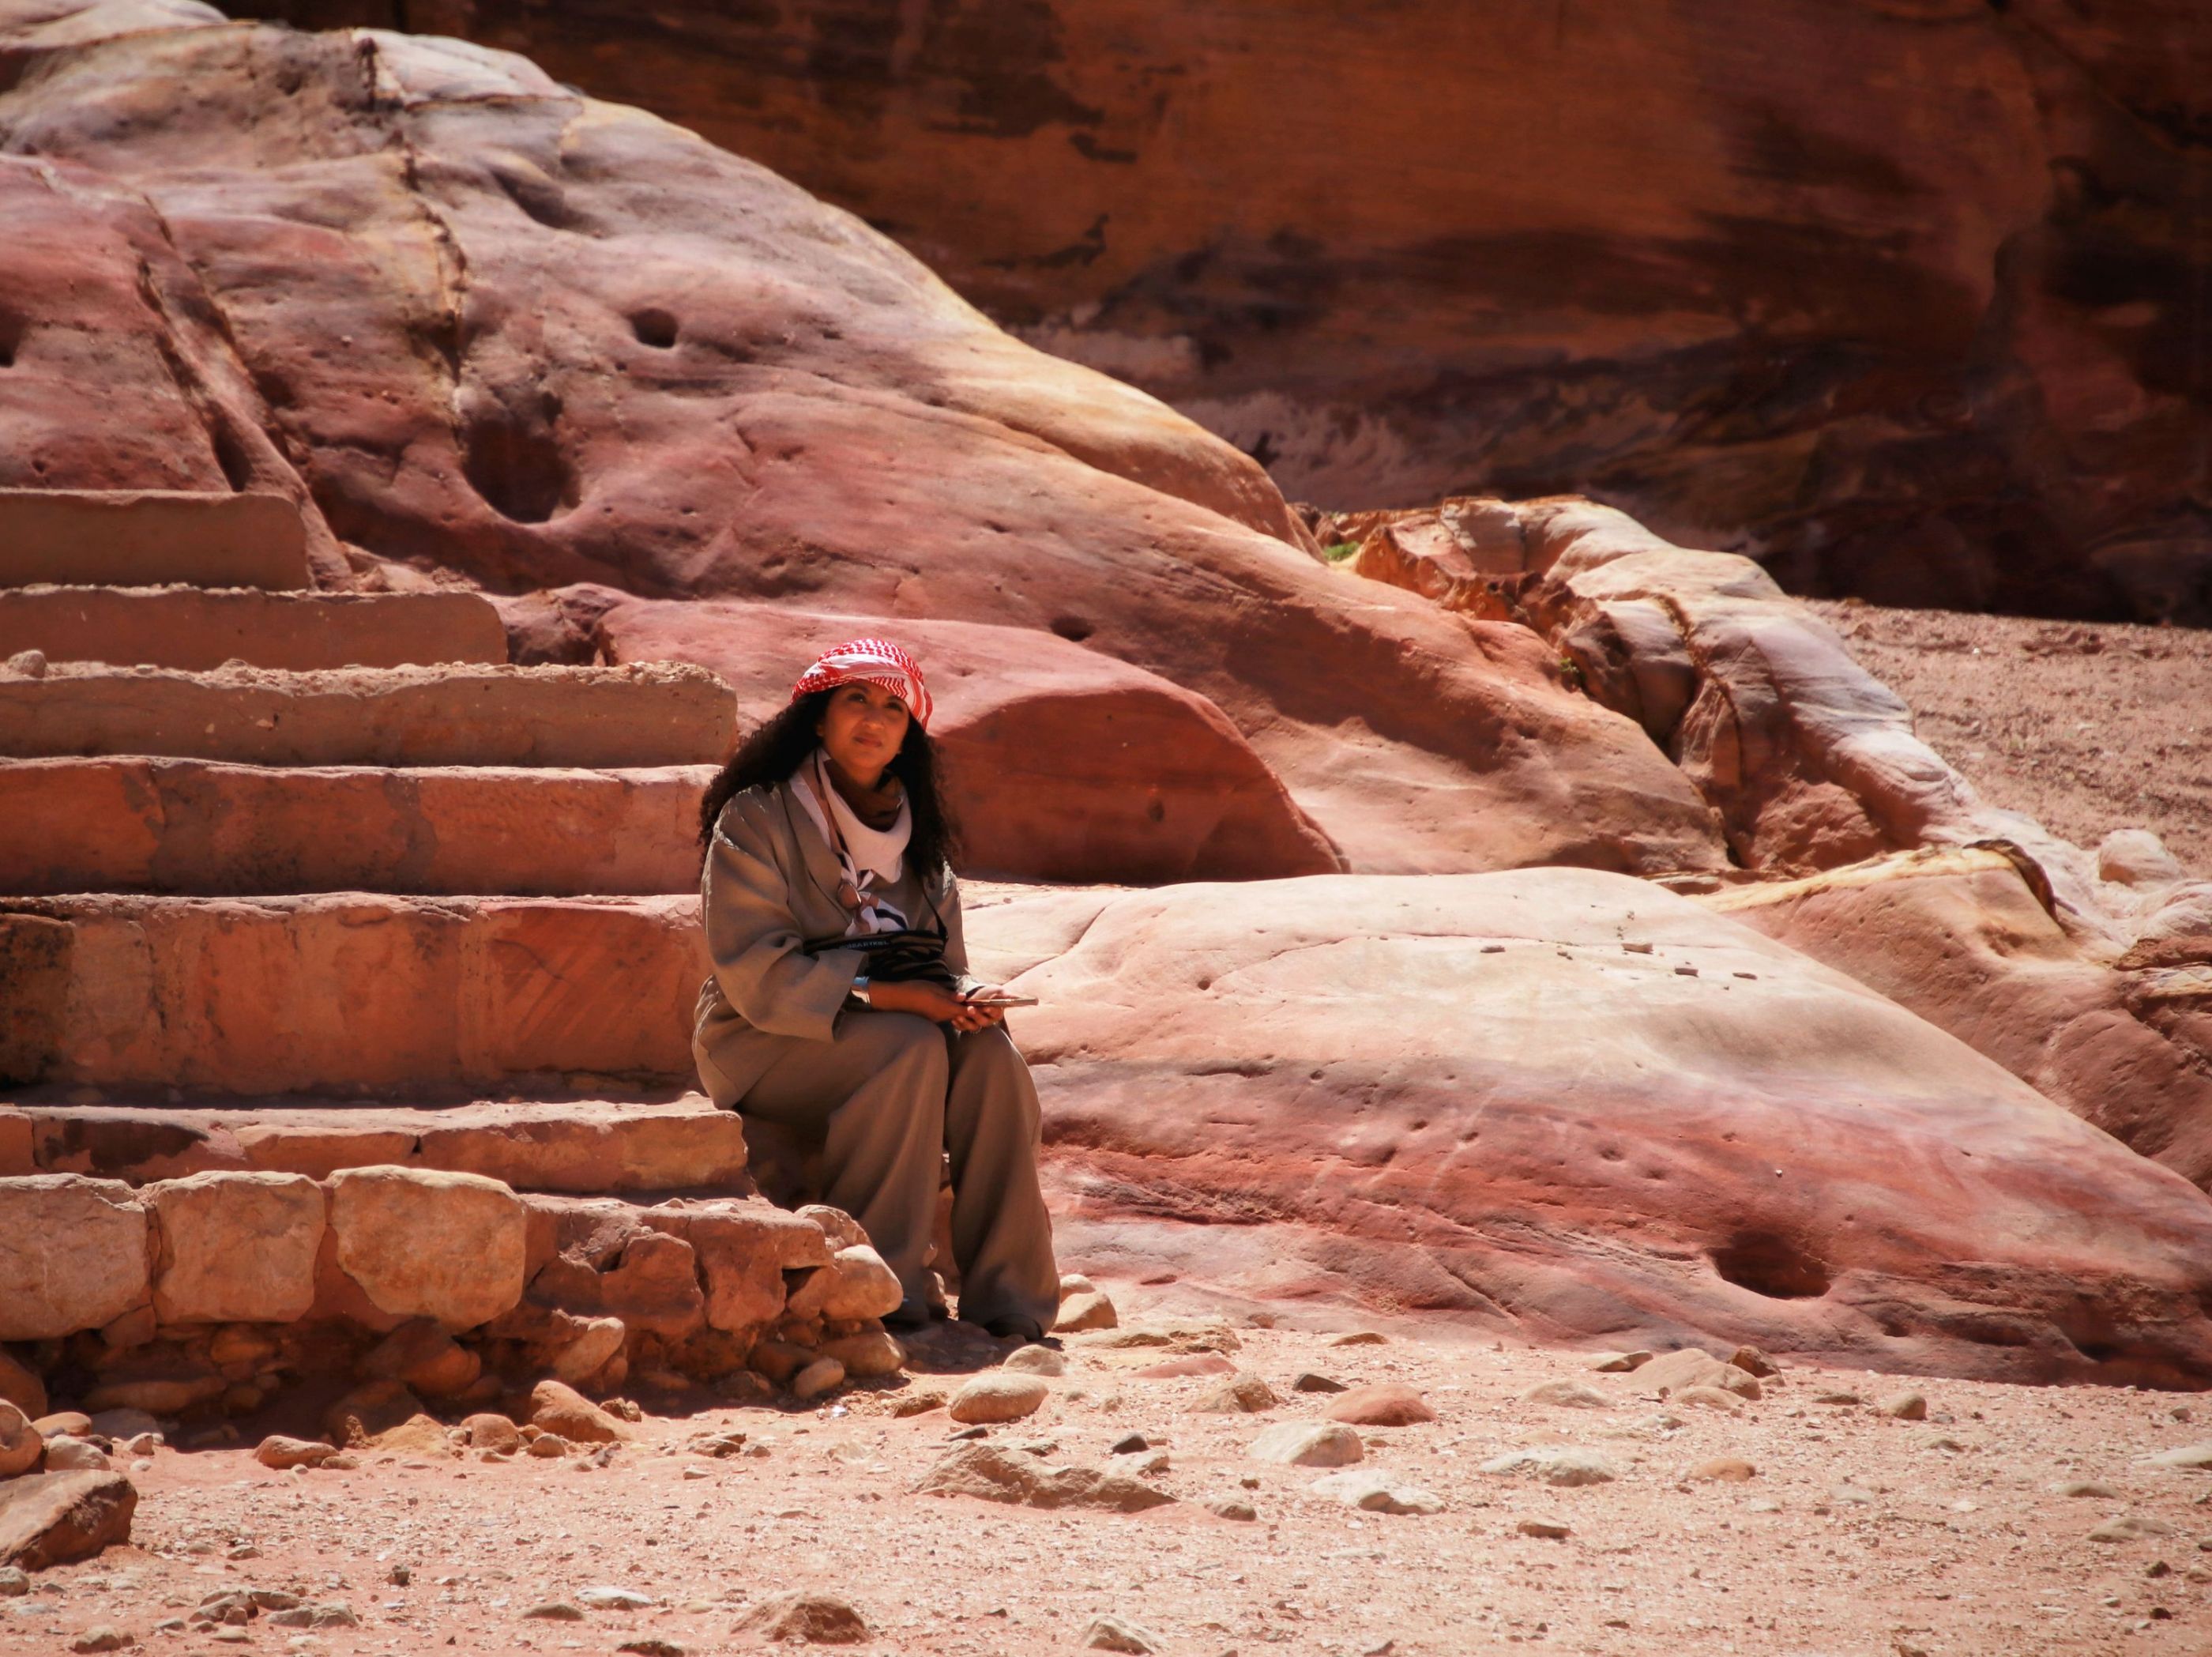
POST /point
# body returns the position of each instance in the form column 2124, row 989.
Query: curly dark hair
column 780, row 746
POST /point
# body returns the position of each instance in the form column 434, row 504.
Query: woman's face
column 862, row 726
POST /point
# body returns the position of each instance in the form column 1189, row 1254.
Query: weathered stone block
column 427, row 1244
column 236, row 1247
column 72, row 1254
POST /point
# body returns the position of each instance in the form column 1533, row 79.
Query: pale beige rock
column 558, row 1408
column 823, row 1375
column 1709, row 1398
column 1727, row 1470
column 1374, row 1491
column 840, row 1228
column 1619, row 1363
column 422, row 1243
column 1237, row 1395
column 1564, row 1464
column 987, row 1472
column 998, row 1395
column 1566, row 1395
column 75, row 1455
column 1905, row 1406
column 1089, row 1309
column 1034, row 1360
column 20, row 1443
column 280, row 1452
column 814, row 1619
column 1675, row 1372
column 73, row 1254
column 597, row 1343
column 1307, row 1444
column 236, row 1247
column 871, row 1353
column 860, row 1285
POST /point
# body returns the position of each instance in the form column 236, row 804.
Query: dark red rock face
column 1911, row 297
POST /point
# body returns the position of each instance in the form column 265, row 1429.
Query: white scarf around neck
column 870, row 858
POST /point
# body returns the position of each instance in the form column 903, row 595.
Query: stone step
column 196, row 827
column 652, row 714
column 348, row 994
column 567, row 1145
column 145, row 537
column 199, row 629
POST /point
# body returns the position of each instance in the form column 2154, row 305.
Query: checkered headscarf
column 869, row 661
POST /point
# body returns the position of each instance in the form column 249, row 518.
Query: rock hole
column 1073, row 628
column 1768, row 1264
column 654, row 327
column 535, row 194
column 230, row 455
column 11, row 337
column 516, row 463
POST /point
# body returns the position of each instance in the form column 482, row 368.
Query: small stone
column 279, row 1451
column 1709, row 1398
column 399, row 1576
column 1246, row 1395
column 1307, row 1444
column 1725, row 1470
column 919, row 1403
column 75, row 1455
column 1229, row 1507
column 1564, row 1464
column 1128, row 1444
column 1619, row 1363
column 22, row 1444
column 1905, row 1406
column 2188, row 1455
column 613, row 1598
column 1673, row 1371
column 1753, row 1361
column 823, row 1375
column 103, row 1638
column 1566, row 1395
column 488, row 1431
column 1034, row 1360
column 2129, row 1527
column 1359, row 1338
column 14, row 1582
column 549, row 1446
column 1074, row 1283
column 1388, row 1404
column 2095, row 1489
column 1089, row 1310
column 1374, row 1491
column 1836, row 1396
column 1548, row 1530
column 2158, row 1568
column 996, row 1396
column 989, row 1472
column 1206, row 1364
column 1307, row 1381
column 816, row 1620
column 555, row 1610
column 652, row 1646
column 1118, row 1634
column 1848, row 1495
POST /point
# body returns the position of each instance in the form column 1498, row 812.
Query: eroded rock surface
column 1587, row 1105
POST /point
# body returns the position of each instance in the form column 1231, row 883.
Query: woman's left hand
column 972, row 1016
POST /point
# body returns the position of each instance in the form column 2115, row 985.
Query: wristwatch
column 861, row 990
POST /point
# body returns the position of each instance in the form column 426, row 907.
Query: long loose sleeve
column 753, row 936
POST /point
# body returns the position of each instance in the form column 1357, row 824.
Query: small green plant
column 1338, row 551
column 1571, row 671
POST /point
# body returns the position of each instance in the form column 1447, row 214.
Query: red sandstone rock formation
column 1588, row 1106
column 477, row 321
column 1904, row 293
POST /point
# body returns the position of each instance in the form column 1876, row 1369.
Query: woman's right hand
column 928, row 1000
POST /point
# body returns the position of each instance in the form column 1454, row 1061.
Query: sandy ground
column 1861, row 1535
column 2088, row 726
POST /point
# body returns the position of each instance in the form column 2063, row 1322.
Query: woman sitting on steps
column 841, row 1004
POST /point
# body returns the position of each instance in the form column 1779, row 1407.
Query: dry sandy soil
column 1861, row 1535
column 2087, row 726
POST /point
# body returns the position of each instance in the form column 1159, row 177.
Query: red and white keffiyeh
column 869, row 661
